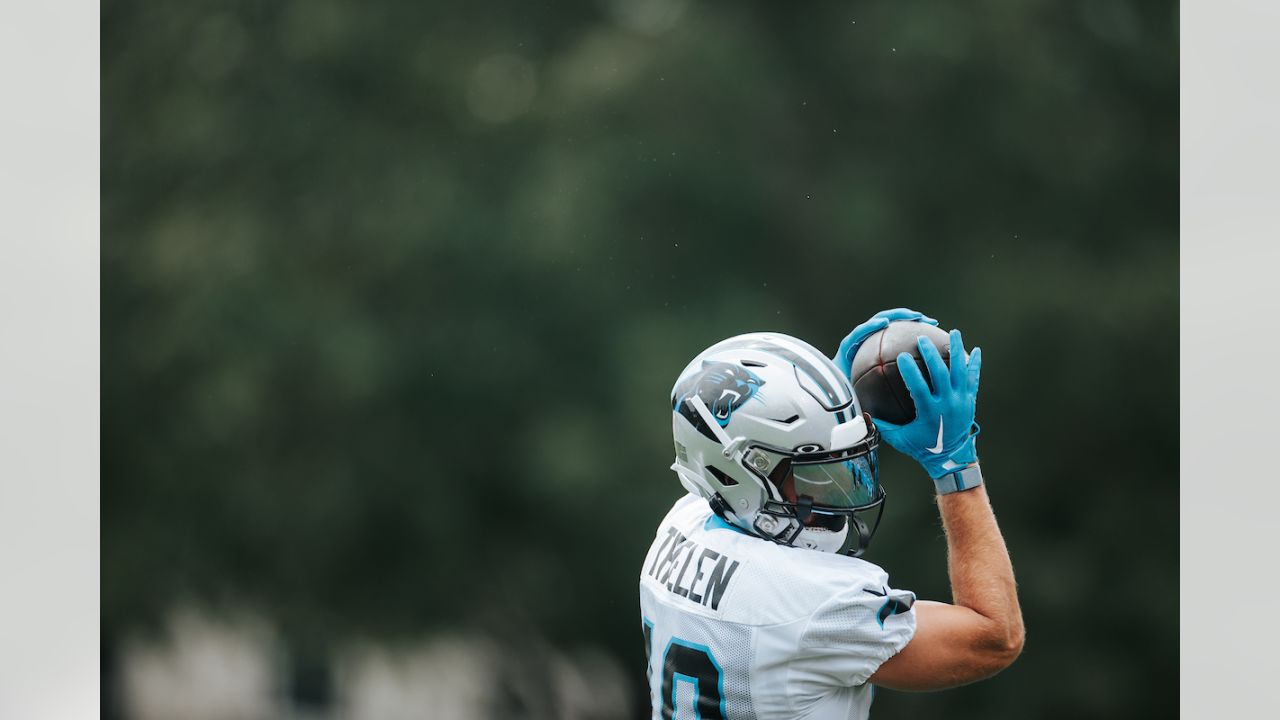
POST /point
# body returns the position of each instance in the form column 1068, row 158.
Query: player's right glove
column 943, row 435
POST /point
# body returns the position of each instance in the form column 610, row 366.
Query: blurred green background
column 394, row 294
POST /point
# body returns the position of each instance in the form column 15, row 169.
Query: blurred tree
column 394, row 294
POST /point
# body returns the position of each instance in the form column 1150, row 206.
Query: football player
column 754, row 601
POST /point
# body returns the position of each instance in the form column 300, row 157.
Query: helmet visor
column 842, row 484
column 840, row 480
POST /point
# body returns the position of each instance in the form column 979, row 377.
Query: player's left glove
column 849, row 346
column 943, row 435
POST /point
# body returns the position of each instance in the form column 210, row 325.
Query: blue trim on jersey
column 715, row 522
column 648, row 661
column 675, row 682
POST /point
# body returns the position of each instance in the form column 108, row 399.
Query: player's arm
column 982, row 633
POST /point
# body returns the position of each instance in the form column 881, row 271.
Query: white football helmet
column 769, row 431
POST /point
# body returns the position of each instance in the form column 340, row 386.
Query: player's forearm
column 981, row 573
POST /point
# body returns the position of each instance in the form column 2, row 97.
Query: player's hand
column 942, row 436
column 879, row 321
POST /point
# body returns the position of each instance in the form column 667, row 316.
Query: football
column 875, row 376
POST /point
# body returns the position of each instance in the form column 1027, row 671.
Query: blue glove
column 940, row 437
column 879, row 321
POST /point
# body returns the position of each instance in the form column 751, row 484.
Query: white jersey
column 741, row 628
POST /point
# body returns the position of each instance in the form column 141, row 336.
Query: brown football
column 876, row 379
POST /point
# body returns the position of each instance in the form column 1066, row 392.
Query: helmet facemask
column 829, row 500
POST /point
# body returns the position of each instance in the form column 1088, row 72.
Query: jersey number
column 691, row 663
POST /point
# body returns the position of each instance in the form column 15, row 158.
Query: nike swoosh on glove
column 849, row 346
column 943, row 435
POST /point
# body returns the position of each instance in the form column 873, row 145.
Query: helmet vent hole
column 721, row 476
column 789, row 420
column 753, row 363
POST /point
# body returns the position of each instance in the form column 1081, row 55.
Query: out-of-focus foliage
column 394, row 294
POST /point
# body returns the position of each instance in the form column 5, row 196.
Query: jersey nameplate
column 691, row 571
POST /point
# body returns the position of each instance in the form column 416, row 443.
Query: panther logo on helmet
column 723, row 386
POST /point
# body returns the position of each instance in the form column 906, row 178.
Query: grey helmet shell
column 744, row 403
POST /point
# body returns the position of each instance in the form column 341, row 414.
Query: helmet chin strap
column 834, row 541
column 804, row 508
column 864, row 535
column 822, row 540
